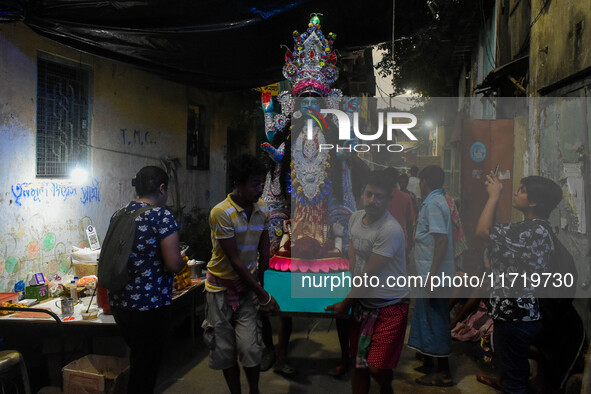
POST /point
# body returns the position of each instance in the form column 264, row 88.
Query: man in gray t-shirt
column 383, row 237
column 380, row 309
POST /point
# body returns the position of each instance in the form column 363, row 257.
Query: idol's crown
column 311, row 66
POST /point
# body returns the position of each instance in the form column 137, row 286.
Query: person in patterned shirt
column 141, row 308
column 521, row 248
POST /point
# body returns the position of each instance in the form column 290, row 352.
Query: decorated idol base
column 326, row 265
column 307, row 292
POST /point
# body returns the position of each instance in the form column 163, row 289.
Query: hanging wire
column 527, row 36
column 373, row 163
column 383, row 94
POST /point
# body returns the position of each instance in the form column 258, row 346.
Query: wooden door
column 485, row 143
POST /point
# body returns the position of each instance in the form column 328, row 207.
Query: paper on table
column 32, row 315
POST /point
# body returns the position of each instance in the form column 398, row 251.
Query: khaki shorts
column 233, row 335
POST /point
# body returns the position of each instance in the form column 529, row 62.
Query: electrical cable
column 373, row 163
column 528, row 35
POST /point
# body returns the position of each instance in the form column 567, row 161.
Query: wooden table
column 23, row 332
column 26, row 314
column 187, row 300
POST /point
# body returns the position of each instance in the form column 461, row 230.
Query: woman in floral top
column 140, row 308
column 521, row 248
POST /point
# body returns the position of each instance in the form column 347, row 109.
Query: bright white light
column 429, row 123
column 78, row 175
column 408, row 92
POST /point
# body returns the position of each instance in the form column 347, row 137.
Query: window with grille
column 62, row 117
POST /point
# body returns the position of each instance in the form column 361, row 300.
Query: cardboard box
column 11, row 298
column 39, row 292
column 85, row 269
column 94, row 373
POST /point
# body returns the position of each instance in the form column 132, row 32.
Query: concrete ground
column 314, row 350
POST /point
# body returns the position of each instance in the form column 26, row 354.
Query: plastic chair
column 10, row 359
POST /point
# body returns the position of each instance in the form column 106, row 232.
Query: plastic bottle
column 76, row 287
column 73, row 290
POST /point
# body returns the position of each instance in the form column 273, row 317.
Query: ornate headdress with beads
column 311, row 66
column 311, row 69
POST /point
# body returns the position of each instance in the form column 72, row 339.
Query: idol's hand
column 275, row 154
column 347, row 148
column 270, row 135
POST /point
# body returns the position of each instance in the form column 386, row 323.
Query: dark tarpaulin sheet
column 215, row 44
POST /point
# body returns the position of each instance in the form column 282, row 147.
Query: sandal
column 284, row 369
column 339, row 371
column 435, row 379
column 491, row 381
column 425, row 368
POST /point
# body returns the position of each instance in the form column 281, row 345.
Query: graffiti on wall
column 137, row 137
column 29, row 250
column 24, row 192
column 90, row 193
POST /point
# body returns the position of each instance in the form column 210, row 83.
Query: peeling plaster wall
column 559, row 51
column 136, row 119
column 560, row 38
column 520, row 128
column 561, row 129
column 518, row 27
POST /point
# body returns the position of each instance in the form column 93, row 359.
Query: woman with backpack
column 140, row 307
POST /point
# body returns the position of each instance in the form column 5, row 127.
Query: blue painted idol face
column 309, row 103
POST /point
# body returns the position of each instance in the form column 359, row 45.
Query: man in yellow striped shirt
column 240, row 254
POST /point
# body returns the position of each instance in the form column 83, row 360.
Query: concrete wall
column 518, row 15
column 560, row 40
column 520, row 158
column 136, row 119
column 560, row 62
column 558, row 129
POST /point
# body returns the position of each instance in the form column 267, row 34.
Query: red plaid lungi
column 387, row 338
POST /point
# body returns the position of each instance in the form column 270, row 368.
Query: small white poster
column 93, row 241
column 575, row 196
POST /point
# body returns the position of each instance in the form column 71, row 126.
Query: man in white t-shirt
column 413, row 182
